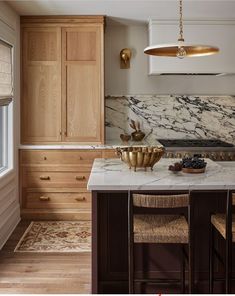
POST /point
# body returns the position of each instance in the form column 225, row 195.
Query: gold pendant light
column 181, row 49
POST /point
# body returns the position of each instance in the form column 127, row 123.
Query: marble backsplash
column 172, row 116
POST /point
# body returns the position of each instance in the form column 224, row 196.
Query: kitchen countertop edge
column 107, row 145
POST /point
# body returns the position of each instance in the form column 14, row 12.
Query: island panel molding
column 172, row 116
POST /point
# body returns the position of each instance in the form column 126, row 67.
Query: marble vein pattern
column 113, row 174
column 172, row 116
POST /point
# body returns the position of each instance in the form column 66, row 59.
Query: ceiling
column 128, row 10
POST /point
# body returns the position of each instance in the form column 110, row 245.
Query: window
column 6, row 96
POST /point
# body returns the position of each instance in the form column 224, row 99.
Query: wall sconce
column 125, row 57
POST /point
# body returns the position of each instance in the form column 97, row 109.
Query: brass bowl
column 140, row 157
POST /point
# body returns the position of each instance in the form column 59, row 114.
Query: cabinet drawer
column 49, row 179
column 59, row 157
column 57, row 200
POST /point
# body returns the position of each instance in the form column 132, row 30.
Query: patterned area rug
column 56, row 236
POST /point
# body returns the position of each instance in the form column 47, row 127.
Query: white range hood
column 218, row 33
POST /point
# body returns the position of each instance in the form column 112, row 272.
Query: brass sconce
column 125, row 57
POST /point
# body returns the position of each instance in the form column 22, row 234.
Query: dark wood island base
column 110, row 246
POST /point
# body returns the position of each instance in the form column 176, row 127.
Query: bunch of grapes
column 193, row 163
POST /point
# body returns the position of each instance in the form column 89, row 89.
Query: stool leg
column 228, row 266
column 182, row 270
column 131, row 268
column 191, row 267
column 211, row 259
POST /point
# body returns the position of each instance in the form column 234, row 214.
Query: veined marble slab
column 108, row 145
column 113, row 174
column 172, row 116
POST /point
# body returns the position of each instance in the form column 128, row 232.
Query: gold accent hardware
column 44, row 198
column 80, row 198
column 140, row 157
column 125, row 57
column 80, row 178
column 45, row 178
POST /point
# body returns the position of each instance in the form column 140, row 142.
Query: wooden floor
column 42, row 273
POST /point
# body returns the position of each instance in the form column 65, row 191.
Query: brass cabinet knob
column 80, row 178
column 44, row 198
column 80, row 198
column 45, row 178
column 45, row 158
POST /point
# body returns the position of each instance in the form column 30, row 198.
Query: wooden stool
column 161, row 228
column 225, row 226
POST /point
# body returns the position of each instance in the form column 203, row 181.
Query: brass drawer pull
column 80, row 198
column 80, row 178
column 45, row 178
column 44, row 198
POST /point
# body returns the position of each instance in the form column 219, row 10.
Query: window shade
column 6, row 80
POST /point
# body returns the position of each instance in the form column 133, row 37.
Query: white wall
column 9, row 196
column 136, row 80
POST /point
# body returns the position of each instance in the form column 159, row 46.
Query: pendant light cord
column 181, row 38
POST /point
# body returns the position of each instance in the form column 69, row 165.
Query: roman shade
column 6, row 77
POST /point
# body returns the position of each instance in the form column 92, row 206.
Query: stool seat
column 161, row 229
column 219, row 222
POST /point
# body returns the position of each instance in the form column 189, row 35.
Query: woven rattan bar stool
column 224, row 224
column 161, row 227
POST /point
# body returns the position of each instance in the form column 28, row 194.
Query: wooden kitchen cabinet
column 62, row 80
column 53, row 183
column 41, row 85
column 82, row 81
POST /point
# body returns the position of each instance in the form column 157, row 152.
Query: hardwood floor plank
column 24, row 273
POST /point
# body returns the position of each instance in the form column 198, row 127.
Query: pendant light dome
column 181, row 49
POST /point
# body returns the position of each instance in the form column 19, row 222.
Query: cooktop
column 194, row 143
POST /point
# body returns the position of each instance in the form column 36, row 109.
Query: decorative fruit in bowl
column 193, row 165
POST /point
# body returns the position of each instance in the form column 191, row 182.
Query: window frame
column 7, row 154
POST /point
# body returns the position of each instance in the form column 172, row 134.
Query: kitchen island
column 110, row 181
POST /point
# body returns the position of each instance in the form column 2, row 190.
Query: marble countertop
column 108, row 145
column 113, row 174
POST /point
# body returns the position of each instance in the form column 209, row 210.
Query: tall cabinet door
column 41, row 85
column 82, row 88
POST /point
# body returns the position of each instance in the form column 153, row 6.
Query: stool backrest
column 161, row 201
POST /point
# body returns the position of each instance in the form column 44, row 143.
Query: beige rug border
column 42, row 251
column 22, row 238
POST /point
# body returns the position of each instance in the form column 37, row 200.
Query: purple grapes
column 193, row 163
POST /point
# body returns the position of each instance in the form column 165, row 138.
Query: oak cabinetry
column 62, row 80
column 82, row 80
column 54, row 183
column 41, row 84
